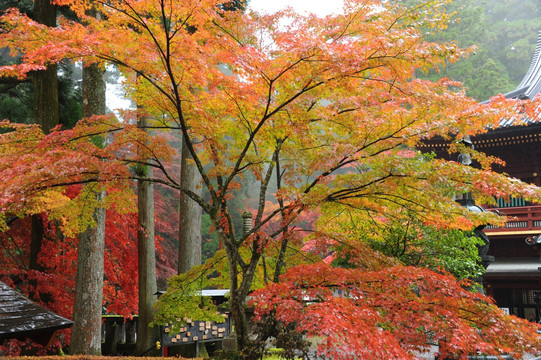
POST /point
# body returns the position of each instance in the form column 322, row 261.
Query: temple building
column 513, row 279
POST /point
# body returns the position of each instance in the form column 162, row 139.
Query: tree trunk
column 36, row 238
column 240, row 281
column 189, row 244
column 46, row 108
column 87, row 309
column 93, row 90
column 237, row 299
column 146, row 336
column 46, row 112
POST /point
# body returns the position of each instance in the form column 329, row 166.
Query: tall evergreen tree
column 87, row 309
column 146, row 253
column 46, row 111
column 189, row 247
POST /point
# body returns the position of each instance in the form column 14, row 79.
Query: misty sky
column 319, row 7
column 115, row 98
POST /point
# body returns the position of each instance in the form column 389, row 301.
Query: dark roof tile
column 20, row 317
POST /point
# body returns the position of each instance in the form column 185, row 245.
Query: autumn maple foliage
column 391, row 313
column 53, row 285
column 324, row 114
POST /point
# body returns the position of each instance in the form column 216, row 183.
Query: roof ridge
column 534, row 66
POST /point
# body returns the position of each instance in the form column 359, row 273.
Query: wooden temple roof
column 510, row 132
column 528, row 88
column 531, row 83
column 21, row 318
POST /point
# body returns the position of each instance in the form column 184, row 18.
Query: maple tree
column 327, row 108
column 408, row 241
column 401, row 308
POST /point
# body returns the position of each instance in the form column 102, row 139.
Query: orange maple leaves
column 37, row 168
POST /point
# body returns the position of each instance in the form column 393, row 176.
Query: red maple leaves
column 392, row 313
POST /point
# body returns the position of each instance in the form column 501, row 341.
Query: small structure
column 196, row 331
column 21, row 318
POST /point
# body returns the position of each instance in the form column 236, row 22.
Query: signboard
column 197, row 331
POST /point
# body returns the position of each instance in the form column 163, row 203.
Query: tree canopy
column 329, row 109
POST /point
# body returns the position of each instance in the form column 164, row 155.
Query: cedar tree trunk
column 46, row 113
column 87, row 309
column 189, row 245
column 146, row 336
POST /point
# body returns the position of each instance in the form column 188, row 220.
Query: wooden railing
column 520, row 218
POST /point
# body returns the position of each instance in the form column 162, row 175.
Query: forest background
column 504, row 32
